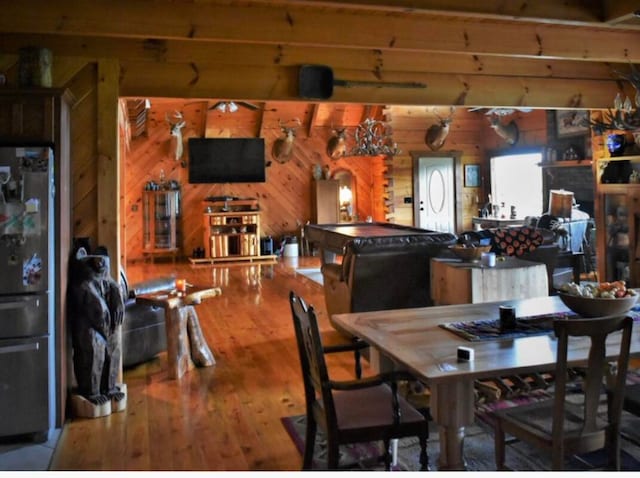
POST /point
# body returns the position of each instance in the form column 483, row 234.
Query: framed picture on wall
column 571, row 123
column 471, row 176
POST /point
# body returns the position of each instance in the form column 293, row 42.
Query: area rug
column 478, row 450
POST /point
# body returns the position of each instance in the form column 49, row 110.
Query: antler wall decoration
column 625, row 115
column 373, row 139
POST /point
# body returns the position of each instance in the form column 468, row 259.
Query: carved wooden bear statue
column 96, row 310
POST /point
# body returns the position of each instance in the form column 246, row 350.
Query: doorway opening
column 437, row 191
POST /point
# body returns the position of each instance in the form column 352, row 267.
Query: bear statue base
column 82, row 407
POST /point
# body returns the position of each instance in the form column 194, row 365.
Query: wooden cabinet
column 28, row 117
column 231, row 231
column 325, row 201
column 617, row 216
column 161, row 222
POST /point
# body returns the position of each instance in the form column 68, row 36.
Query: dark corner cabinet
column 617, row 214
column 161, row 222
column 34, row 368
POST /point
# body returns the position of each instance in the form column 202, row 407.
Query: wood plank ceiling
column 542, row 54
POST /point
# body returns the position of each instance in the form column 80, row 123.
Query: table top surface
column 415, row 341
column 497, row 220
column 172, row 299
column 501, row 263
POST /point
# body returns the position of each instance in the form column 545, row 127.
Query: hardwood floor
column 224, row 417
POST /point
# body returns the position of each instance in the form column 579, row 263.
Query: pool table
column 331, row 238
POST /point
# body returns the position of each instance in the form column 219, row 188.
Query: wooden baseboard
column 214, row 260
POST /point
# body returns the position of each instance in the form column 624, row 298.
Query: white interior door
column 436, row 194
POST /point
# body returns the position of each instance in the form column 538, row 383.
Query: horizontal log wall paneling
column 410, row 124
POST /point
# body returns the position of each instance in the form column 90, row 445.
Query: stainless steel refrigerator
column 27, row 251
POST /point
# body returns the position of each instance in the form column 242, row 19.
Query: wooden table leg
column 178, row 354
column 200, row 352
column 452, row 408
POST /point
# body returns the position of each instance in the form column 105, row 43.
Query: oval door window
column 436, row 191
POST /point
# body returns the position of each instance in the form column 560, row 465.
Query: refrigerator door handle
column 9, row 349
column 18, row 304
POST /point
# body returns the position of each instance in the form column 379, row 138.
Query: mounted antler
column 337, row 146
column 509, row 132
column 282, row 147
column 437, row 133
column 176, row 133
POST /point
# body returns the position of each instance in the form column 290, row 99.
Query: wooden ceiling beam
column 264, row 84
column 291, row 24
column 570, row 11
column 377, row 62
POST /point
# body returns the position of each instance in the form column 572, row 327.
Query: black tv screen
column 226, row 160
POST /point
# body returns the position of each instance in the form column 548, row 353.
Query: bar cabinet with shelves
column 231, row 231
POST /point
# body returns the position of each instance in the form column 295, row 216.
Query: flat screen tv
column 226, row 160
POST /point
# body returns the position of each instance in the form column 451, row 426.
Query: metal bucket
column 560, row 202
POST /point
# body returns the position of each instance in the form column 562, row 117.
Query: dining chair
column 350, row 411
column 567, row 427
column 340, row 343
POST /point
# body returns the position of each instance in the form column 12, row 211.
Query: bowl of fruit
column 598, row 299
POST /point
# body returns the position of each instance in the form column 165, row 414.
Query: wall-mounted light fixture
column 346, row 207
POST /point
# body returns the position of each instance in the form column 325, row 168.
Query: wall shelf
column 574, row 163
column 633, row 158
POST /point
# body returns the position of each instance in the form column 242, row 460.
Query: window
column 516, row 180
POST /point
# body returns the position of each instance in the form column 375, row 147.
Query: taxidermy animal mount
column 509, row 132
column 282, row 147
column 337, row 146
column 437, row 133
column 175, row 129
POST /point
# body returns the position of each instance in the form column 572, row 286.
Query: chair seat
column 352, row 414
column 538, row 417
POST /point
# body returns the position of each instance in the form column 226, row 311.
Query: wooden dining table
column 413, row 340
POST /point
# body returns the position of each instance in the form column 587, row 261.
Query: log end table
column 186, row 345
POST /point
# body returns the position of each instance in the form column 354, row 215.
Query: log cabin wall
column 382, row 184
column 285, row 197
column 84, row 164
column 470, row 133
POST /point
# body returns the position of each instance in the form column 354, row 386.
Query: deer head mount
column 437, row 133
column 509, row 132
column 337, row 145
column 175, row 129
column 282, row 147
